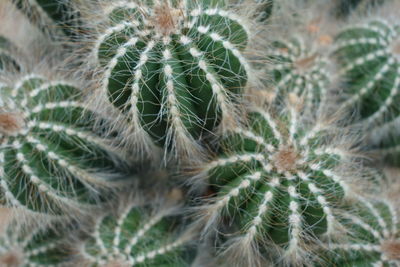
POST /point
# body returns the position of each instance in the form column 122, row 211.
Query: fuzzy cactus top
column 299, row 67
column 278, row 182
column 50, row 157
column 173, row 67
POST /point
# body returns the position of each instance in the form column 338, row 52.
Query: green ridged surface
column 136, row 237
column 50, row 158
column 175, row 84
column 369, row 54
column 278, row 182
column 372, row 226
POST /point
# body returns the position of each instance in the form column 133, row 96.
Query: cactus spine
column 173, row 67
column 135, row 237
column 278, row 181
column 50, row 159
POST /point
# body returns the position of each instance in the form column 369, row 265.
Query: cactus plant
column 278, row 181
column 138, row 236
column 373, row 234
column 173, row 68
column 50, row 157
column 369, row 55
column 300, row 67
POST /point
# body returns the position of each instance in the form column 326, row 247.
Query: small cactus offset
column 297, row 66
column 369, row 54
column 174, row 68
column 372, row 237
column 140, row 235
column 50, row 157
column 278, row 182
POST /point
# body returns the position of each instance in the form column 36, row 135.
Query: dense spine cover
column 174, row 68
column 297, row 66
column 50, row 156
column 372, row 234
column 277, row 182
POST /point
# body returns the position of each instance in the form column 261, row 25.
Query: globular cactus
column 277, row 182
column 299, row 66
column 173, row 68
column 140, row 235
column 51, row 159
column 372, row 237
column 34, row 246
column 369, row 54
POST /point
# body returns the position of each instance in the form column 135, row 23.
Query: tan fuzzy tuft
column 11, row 259
column 11, row 123
column 391, row 249
column 166, row 19
column 286, row 159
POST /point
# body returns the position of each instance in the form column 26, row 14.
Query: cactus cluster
column 181, row 133
column 279, row 181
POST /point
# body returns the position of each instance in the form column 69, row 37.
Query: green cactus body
column 373, row 237
column 369, row 54
column 300, row 68
column 135, row 238
column 173, row 67
column 38, row 247
column 278, row 181
column 50, row 159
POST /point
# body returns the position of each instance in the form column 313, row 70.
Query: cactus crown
column 373, row 237
column 49, row 156
column 173, row 67
column 299, row 68
column 279, row 179
column 370, row 54
column 133, row 238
